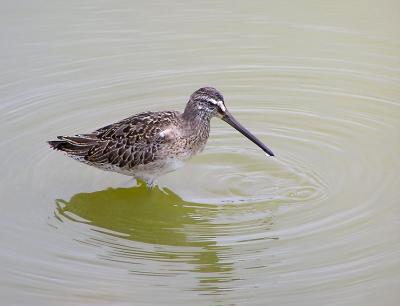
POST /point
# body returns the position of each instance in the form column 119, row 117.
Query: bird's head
column 207, row 102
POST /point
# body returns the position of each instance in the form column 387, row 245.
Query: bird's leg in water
column 150, row 184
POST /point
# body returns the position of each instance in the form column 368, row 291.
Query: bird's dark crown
column 207, row 94
column 205, row 102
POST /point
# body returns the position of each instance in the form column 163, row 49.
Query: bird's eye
column 218, row 103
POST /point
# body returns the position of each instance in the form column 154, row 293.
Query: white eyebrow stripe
column 219, row 103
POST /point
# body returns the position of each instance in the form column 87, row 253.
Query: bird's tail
column 76, row 146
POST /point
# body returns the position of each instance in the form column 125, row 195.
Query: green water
column 317, row 81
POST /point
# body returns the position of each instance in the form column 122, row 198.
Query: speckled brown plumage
column 150, row 144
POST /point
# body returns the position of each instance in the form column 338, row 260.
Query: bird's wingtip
column 54, row 144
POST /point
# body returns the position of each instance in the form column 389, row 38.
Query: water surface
column 319, row 224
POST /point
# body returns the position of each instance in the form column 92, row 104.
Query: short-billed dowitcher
column 151, row 144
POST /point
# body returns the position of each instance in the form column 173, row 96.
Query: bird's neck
column 197, row 122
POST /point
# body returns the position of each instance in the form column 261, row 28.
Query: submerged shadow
column 160, row 218
column 133, row 213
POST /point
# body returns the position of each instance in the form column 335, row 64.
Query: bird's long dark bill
column 234, row 123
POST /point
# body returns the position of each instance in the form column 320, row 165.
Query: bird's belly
column 172, row 164
column 153, row 169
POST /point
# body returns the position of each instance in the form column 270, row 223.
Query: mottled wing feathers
column 133, row 141
column 140, row 127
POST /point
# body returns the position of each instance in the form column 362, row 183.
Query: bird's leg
column 150, row 184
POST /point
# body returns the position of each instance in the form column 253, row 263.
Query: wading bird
column 150, row 144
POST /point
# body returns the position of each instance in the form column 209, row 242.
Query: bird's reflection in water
column 156, row 225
